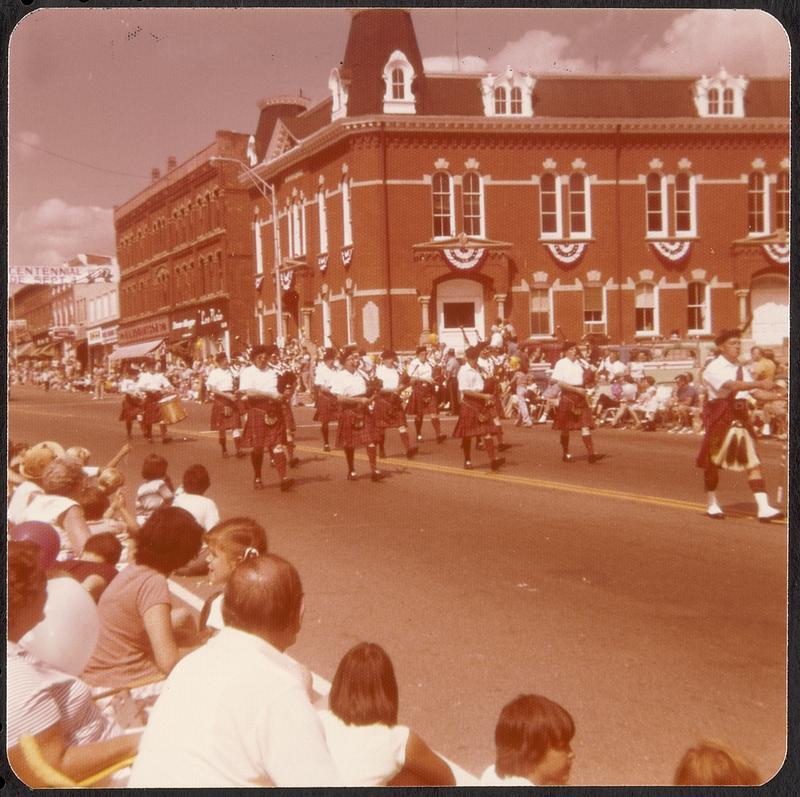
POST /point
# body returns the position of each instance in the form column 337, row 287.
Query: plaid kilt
column 131, row 407
column 327, row 408
column 220, row 420
column 288, row 416
column 151, row 413
column 469, row 423
column 573, row 412
column 389, row 413
column 718, row 416
column 423, row 400
column 349, row 437
column 257, row 434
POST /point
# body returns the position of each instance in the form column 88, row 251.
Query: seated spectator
column 53, row 707
column 714, row 764
column 228, row 544
column 367, row 745
column 62, row 482
column 683, row 404
column 532, row 741
column 110, row 480
column 609, row 401
column 137, row 627
column 643, row 410
column 96, row 567
column 636, row 368
column 762, row 366
column 237, row 711
column 628, row 397
column 156, row 491
column 31, row 468
column 190, row 496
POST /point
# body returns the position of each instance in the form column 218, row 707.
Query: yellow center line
column 527, row 481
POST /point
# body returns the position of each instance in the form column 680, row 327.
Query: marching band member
column 131, row 400
column 389, row 412
column 423, row 396
column 221, row 385
column 266, row 425
column 573, row 411
column 490, row 363
column 475, row 411
column 356, row 422
column 154, row 385
column 327, row 408
column 287, row 381
column 729, row 441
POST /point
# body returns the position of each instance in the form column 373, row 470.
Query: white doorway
column 459, row 303
column 769, row 300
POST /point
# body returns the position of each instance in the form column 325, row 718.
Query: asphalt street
column 603, row 586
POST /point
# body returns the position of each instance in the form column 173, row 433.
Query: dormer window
column 720, row 96
column 509, row 94
column 339, row 88
column 398, row 75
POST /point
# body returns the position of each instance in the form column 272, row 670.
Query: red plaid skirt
column 131, row 407
column 222, row 419
column 573, row 412
column 422, row 401
column 152, row 414
column 288, row 416
column 389, row 413
column 327, row 408
column 347, row 433
column 474, row 419
column 257, row 432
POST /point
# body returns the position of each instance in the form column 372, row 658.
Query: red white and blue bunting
column 347, row 255
column 778, row 252
column 567, row 253
column 674, row 251
column 287, row 278
column 259, row 281
column 464, row 259
column 322, row 262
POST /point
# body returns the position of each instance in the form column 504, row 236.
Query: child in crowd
column 532, row 741
column 711, row 763
column 96, row 566
column 367, row 745
column 190, row 496
column 156, row 491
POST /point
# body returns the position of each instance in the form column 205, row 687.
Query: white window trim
column 348, row 310
column 706, row 307
column 720, row 82
column 326, row 322
column 777, row 198
column 322, row 215
column 656, row 310
column 664, row 231
column 408, row 104
column 559, row 232
column 451, row 192
column 767, row 206
column 582, row 236
column 482, row 200
column 551, row 325
column 297, row 232
column 595, row 324
column 303, row 235
column 508, row 80
column 339, row 94
column 289, row 233
column 692, row 232
column 347, row 224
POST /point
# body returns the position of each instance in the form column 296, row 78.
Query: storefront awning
column 134, row 351
column 25, row 349
column 46, row 352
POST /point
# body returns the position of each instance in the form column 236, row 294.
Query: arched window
column 347, row 225
column 472, row 201
column 579, row 206
column 713, row 102
column 322, row 214
column 698, row 316
column 782, row 203
column 645, row 303
column 727, row 102
column 442, row 205
column 656, row 204
column 684, row 204
column 757, row 204
column 516, row 100
column 398, row 84
column 550, row 206
column 499, row 100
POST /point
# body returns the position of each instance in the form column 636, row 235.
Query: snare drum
column 171, row 410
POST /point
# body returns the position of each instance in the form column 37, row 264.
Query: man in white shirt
column 729, row 440
column 266, row 425
column 326, row 407
column 613, row 366
column 389, row 412
column 154, row 385
column 238, row 711
column 423, row 396
column 221, row 385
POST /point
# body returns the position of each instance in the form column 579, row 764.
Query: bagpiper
column 222, row 386
column 389, row 412
column 287, row 382
column 326, row 407
column 423, row 397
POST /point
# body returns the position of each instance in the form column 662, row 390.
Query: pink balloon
column 44, row 535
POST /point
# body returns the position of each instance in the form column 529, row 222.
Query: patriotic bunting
column 322, row 262
column 259, row 281
column 674, row 251
column 778, row 252
column 464, row 259
column 287, row 278
column 567, row 253
column 347, row 255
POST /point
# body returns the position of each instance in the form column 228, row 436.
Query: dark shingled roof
column 308, row 122
column 267, row 119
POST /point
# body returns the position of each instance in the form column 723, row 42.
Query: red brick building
column 411, row 202
column 185, row 250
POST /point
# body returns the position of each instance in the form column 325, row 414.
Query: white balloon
column 66, row 638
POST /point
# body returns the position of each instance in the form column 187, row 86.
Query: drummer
column 131, row 400
column 221, row 386
column 154, row 385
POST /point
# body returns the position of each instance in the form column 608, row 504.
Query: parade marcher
column 154, row 385
column 451, row 366
column 132, row 400
column 389, row 412
column 287, row 384
column 327, row 408
column 729, row 441
column 574, row 411
column 221, row 385
column 490, row 363
column 266, row 425
column 356, row 420
column 475, row 411
column 423, row 396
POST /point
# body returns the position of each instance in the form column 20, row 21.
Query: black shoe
column 326, row 447
column 352, row 476
column 566, row 457
column 503, row 446
column 258, row 484
column 496, row 463
column 467, row 465
column 412, row 452
column 377, row 476
column 294, row 462
column 286, row 484
column 595, row 458
column 441, row 438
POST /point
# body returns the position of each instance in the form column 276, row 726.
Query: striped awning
column 135, row 351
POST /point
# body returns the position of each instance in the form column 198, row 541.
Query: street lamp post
column 263, row 186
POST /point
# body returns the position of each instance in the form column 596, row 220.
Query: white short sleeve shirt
column 721, row 370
